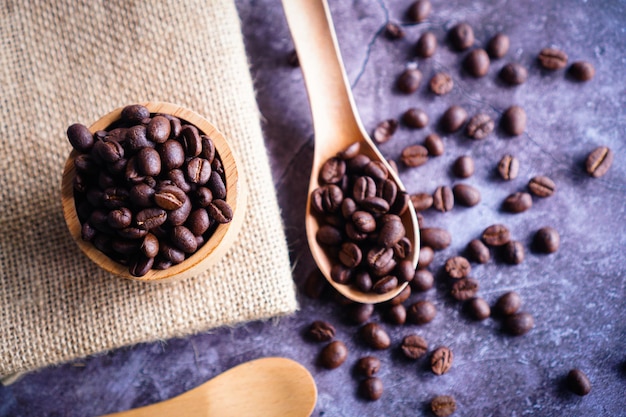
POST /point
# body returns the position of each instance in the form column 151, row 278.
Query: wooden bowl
column 213, row 249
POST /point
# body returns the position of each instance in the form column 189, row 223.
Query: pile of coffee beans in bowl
column 149, row 190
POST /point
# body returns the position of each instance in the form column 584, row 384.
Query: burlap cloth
column 68, row 61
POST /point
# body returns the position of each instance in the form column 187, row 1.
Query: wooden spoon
column 264, row 387
column 335, row 121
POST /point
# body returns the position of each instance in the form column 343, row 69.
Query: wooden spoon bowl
column 212, row 250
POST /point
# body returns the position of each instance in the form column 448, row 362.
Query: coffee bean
column 514, row 121
column 478, row 252
column 443, row 405
column 356, row 164
column 426, row 45
column 547, row 240
column 426, row 254
column 435, row 238
column 175, row 126
column 414, row 346
column 149, row 245
column 463, row 166
column 115, row 197
column 333, row 355
column 457, row 267
column 220, row 211
column 466, row 195
column 375, row 205
column 421, row 201
column 172, row 155
column 517, row 202
column 599, row 161
column 434, row 144
column 409, row 81
column 581, row 71
column 363, row 281
column 140, row 265
column 198, row 170
column 441, row 360
column 332, row 171
column 391, row 230
column 421, row 312
column 381, row 261
column 375, row 336
column 183, row 239
column 443, row 199
column 423, row 280
column 321, row 331
column 135, row 113
column 109, row 151
column 376, row 170
column 393, row 31
column 80, row 137
column 385, row 284
column 453, row 119
column 360, row 313
column 396, row 314
column 403, row 248
column 136, row 138
column 541, row 186
column 479, row 126
column 120, row 218
column 508, row 304
column 404, row 294
column 498, row 45
column 169, row 197
column 208, row 148
column 496, row 235
column 350, row 255
column 329, row 235
column 476, row 63
column 159, row 129
column 191, row 141
column 170, row 253
column 367, row 366
column 508, row 167
column 149, row 162
column 388, row 191
column 514, row 73
column 216, row 185
column 415, row 117
column 364, row 187
column 514, row 252
column 441, row 83
column 552, row 59
column 519, row 323
column 461, row 36
column 326, row 199
column 124, row 246
column 150, row 218
column 419, row 11
column 203, row 196
column 578, row 382
column 414, row 155
column 371, row 388
column 478, row 308
column 464, row 289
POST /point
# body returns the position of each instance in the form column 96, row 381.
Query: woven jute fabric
column 67, row 61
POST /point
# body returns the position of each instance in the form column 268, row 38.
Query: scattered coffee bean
column 508, row 303
column 541, row 186
column 441, row 83
column 375, row 336
column 419, row 11
column 414, row 155
column 582, row 71
column 466, row 195
column 426, row 45
column 463, row 166
column 578, row 382
column 385, row 130
column 517, row 202
column 435, row 238
column 393, row 31
column 457, row 267
column 508, row 167
column 413, row 346
column 422, row 201
column 476, row 63
column 514, row 252
column 416, row 118
column 421, row 312
column 453, row 119
column 423, row 280
column 441, row 360
column 367, row 366
column 480, row 126
column 410, row 80
column 498, row 45
column 464, row 289
column 360, row 313
column 396, row 314
column 371, row 388
column 547, row 240
column 443, row 405
column 514, row 121
column 552, row 59
column 599, row 161
column 478, row 252
column 434, row 144
column 443, row 199
column 321, row 331
column 514, row 73
column 333, row 355
column 426, row 255
column 519, row 323
column 461, row 36
column 478, row 308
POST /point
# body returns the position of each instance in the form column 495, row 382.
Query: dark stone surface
column 577, row 295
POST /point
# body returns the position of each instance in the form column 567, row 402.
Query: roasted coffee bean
column 350, row 255
column 599, row 161
column 413, row 346
column 478, row 308
column 198, row 221
column 401, row 203
column 410, row 80
column 421, row 312
column 552, row 59
column 478, row 252
column 453, row 119
column 161, row 264
column 333, row 355
column 496, row 235
column 184, row 239
column 357, row 163
column 216, row 165
column 508, row 304
column 120, row 218
column 435, row 238
column 172, row 155
column 178, row 178
column 363, row 221
column 375, row 205
column 367, row 366
column 426, row 45
column 578, row 382
column 159, row 129
column 466, row 195
column 170, row 253
column 109, row 151
column 115, row 197
column 498, row 45
column 479, row 126
column 422, row 201
column 464, row 289
column 321, row 331
column 443, row 199
column 541, row 186
column 514, row 252
column 360, row 313
column 441, row 360
column 514, row 73
column 85, row 164
column 203, row 196
column 419, row 11
column 414, row 155
column 405, row 271
column 341, row 274
column 148, row 162
column 191, row 140
column 508, row 167
column 87, row 232
column 348, row 208
column 457, row 267
column 371, row 388
column 80, row 137
column 423, row 280
column 220, row 210
column 332, row 171
column 517, row 202
column 141, row 195
column 198, row 171
column 131, row 173
column 403, row 295
column 391, row 230
column 443, row 405
column 330, row 198
column 376, row 170
column 519, row 323
column 403, row 248
column 461, row 36
column 581, row 71
column 514, row 121
column 426, row 255
column 434, row 144
column 476, row 63
column 136, row 138
column 375, row 336
column 352, row 233
column 387, row 190
column 463, row 166
column 124, row 246
column 393, row 31
column 141, row 265
column 415, row 117
column 135, row 113
column 547, row 240
column 396, row 314
column 149, row 245
column 364, row 187
column 441, row 83
column 385, row 284
column 169, row 197
column 208, row 148
column 363, row 281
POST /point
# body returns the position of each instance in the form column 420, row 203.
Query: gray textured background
column 577, row 295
